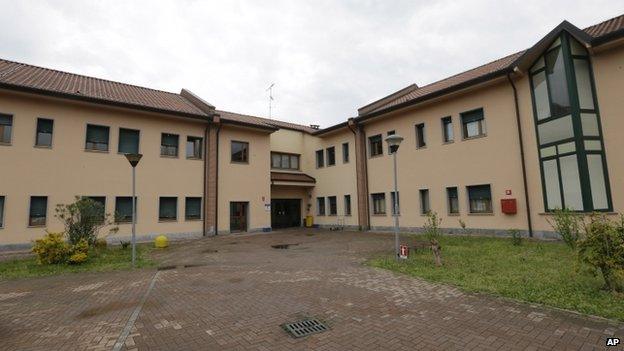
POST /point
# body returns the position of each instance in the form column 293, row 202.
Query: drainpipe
column 205, row 185
column 217, row 182
column 522, row 157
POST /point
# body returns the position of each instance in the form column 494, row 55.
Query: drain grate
column 304, row 328
column 283, row 246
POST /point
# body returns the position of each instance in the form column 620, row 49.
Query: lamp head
column 133, row 159
column 394, row 141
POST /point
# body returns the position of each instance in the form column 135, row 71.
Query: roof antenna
column 270, row 90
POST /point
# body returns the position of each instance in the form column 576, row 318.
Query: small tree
column 433, row 233
column 516, row 237
column 568, row 224
column 83, row 219
column 603, row 249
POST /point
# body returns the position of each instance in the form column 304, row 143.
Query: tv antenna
column 270, row 90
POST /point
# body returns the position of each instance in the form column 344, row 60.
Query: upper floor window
column 128, row 141
column 473, row 123
column 331, row 156
column 194, row 147
column 168, row 209
column 6, row 125
column 420, row 136
column 480, row 198
column 97, row 137
column 375, row 145
column 345, row 153
column 320, row 159
column 379, row 203
column 320, row 206
column 193, row 208
column 284, row 161
column 38, row 211
column 169, row 144
column 389, row 133
column 240, row 151
column 333, row 206
column 447, row 129
column 44, row 132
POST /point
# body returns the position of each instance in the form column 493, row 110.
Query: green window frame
column 123, row 209
column 192, row 208
column 45, row 128
column 168, row 208
column 379, row 203
column 169, row 144
column 331, row 156
column 345, row 152
column 97, row 137
column 38, row 212
column 480, row 198
column 375, row 146
column 128, row 141
column 6, row 128
column 452, row 199
column 320, row 206
column 573, row 164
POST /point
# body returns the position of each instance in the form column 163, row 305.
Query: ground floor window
column 168, row 209
column 333, row 206
column 193, row 208
column 38, row 211
column 100, row 207
column 396, row 202
column 1, row 211
column 480, row 198
column 453, row 200
column 123, row 209
column 347, row 205
column 379, row 203
column 320, row 206
column 425, row 207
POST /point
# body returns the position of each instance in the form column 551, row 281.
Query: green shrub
column 101, row 244
column 516, row 237
column 52, row 249
column 602, row 249
column 83, row 219
column 568, row 224
column 433, row 233
column 77, row 258
column 124, row 244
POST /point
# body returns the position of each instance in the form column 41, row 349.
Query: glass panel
column 294, row 162
column 571, row 182
column 239, row 151
column 558, row 83
column 567, row 147
column 424, row 201
column 551, row 183
column 398, row 200
column 548, row 151
column 538, row 64
column 97, row 138
column 128, row 141
column 540, row 90
column 347, row 205
column 589, row 121
column 5, row 133
column 583, row 84
column 38, row 210
column 480, row 199
column 593, row 145
column 1, row 211
column 193, row 207
column 558, row 129
column 597, row 182
column 276, row 160
column 44, row 139
column 577, row 48
column 285, row 162
column 123, row 209
column 320, row 158
column 472, row 129
column 168, row 208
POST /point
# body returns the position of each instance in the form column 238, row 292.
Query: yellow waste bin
column 161, row 242
column 309, row 221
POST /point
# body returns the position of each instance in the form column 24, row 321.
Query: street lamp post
column 134, row 161
column 393, row 143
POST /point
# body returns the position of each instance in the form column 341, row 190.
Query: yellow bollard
column 161, row 242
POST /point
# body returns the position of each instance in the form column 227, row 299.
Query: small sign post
column 404, row 252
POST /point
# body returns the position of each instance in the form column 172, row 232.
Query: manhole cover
column 283, row 246
column 304, row 328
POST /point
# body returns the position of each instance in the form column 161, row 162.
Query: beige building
column 495, row 148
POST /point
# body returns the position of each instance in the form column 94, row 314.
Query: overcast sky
column 326, row 58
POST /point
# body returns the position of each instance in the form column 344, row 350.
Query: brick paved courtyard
column 234, row 292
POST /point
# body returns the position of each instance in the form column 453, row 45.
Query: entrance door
column 285, row 213
column 238, row 216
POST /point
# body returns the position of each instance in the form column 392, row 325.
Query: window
column 379, row 203
column 473, row 123
column 169, row 144
column 128, row 141
column 572, row 160
column 44, row 132
column 420, row 136
column 6, row 124
column 425, row 206
column 123, row 209
column 396, row 209
column 100, row 202
column 347, row 205
column 97, row 138
column 193, row 208
column 38, row 211
column 320, row 159
column 345, row 152
column 1, row 211
column 240, row 151
column 333, row 206
column 392, row 132
column 168, row 209
column 284, row 161
column 453, row 200
column 480, row 198
column 194, row 147
column 447, row 129
column 331, row 156
column 375, row 145
column 320, row 206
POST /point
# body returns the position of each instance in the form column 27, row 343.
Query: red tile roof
column 292, row 177
column 266, row 122
column 15, row 75
column 598, row 32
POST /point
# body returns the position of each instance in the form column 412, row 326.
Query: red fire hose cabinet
column 509, row 206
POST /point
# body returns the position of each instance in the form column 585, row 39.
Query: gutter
column 522, row 156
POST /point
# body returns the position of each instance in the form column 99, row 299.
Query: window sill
column 96, row 151
column 448, row 142
column 36, row 226
column 195, row 158
column 49, row 147
column 2, row 143
column 453, row 214
column 192, row 219
column 168, row 156
column 421, row 147
column 379, row 215
column 239, row 162
column 475, row 137
column 481, row 214
column 123, row 222
column 375, row 156
column 584, row 213
column 167, row 220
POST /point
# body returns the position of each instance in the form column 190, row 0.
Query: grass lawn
column 110, row 259
column 541, row 272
